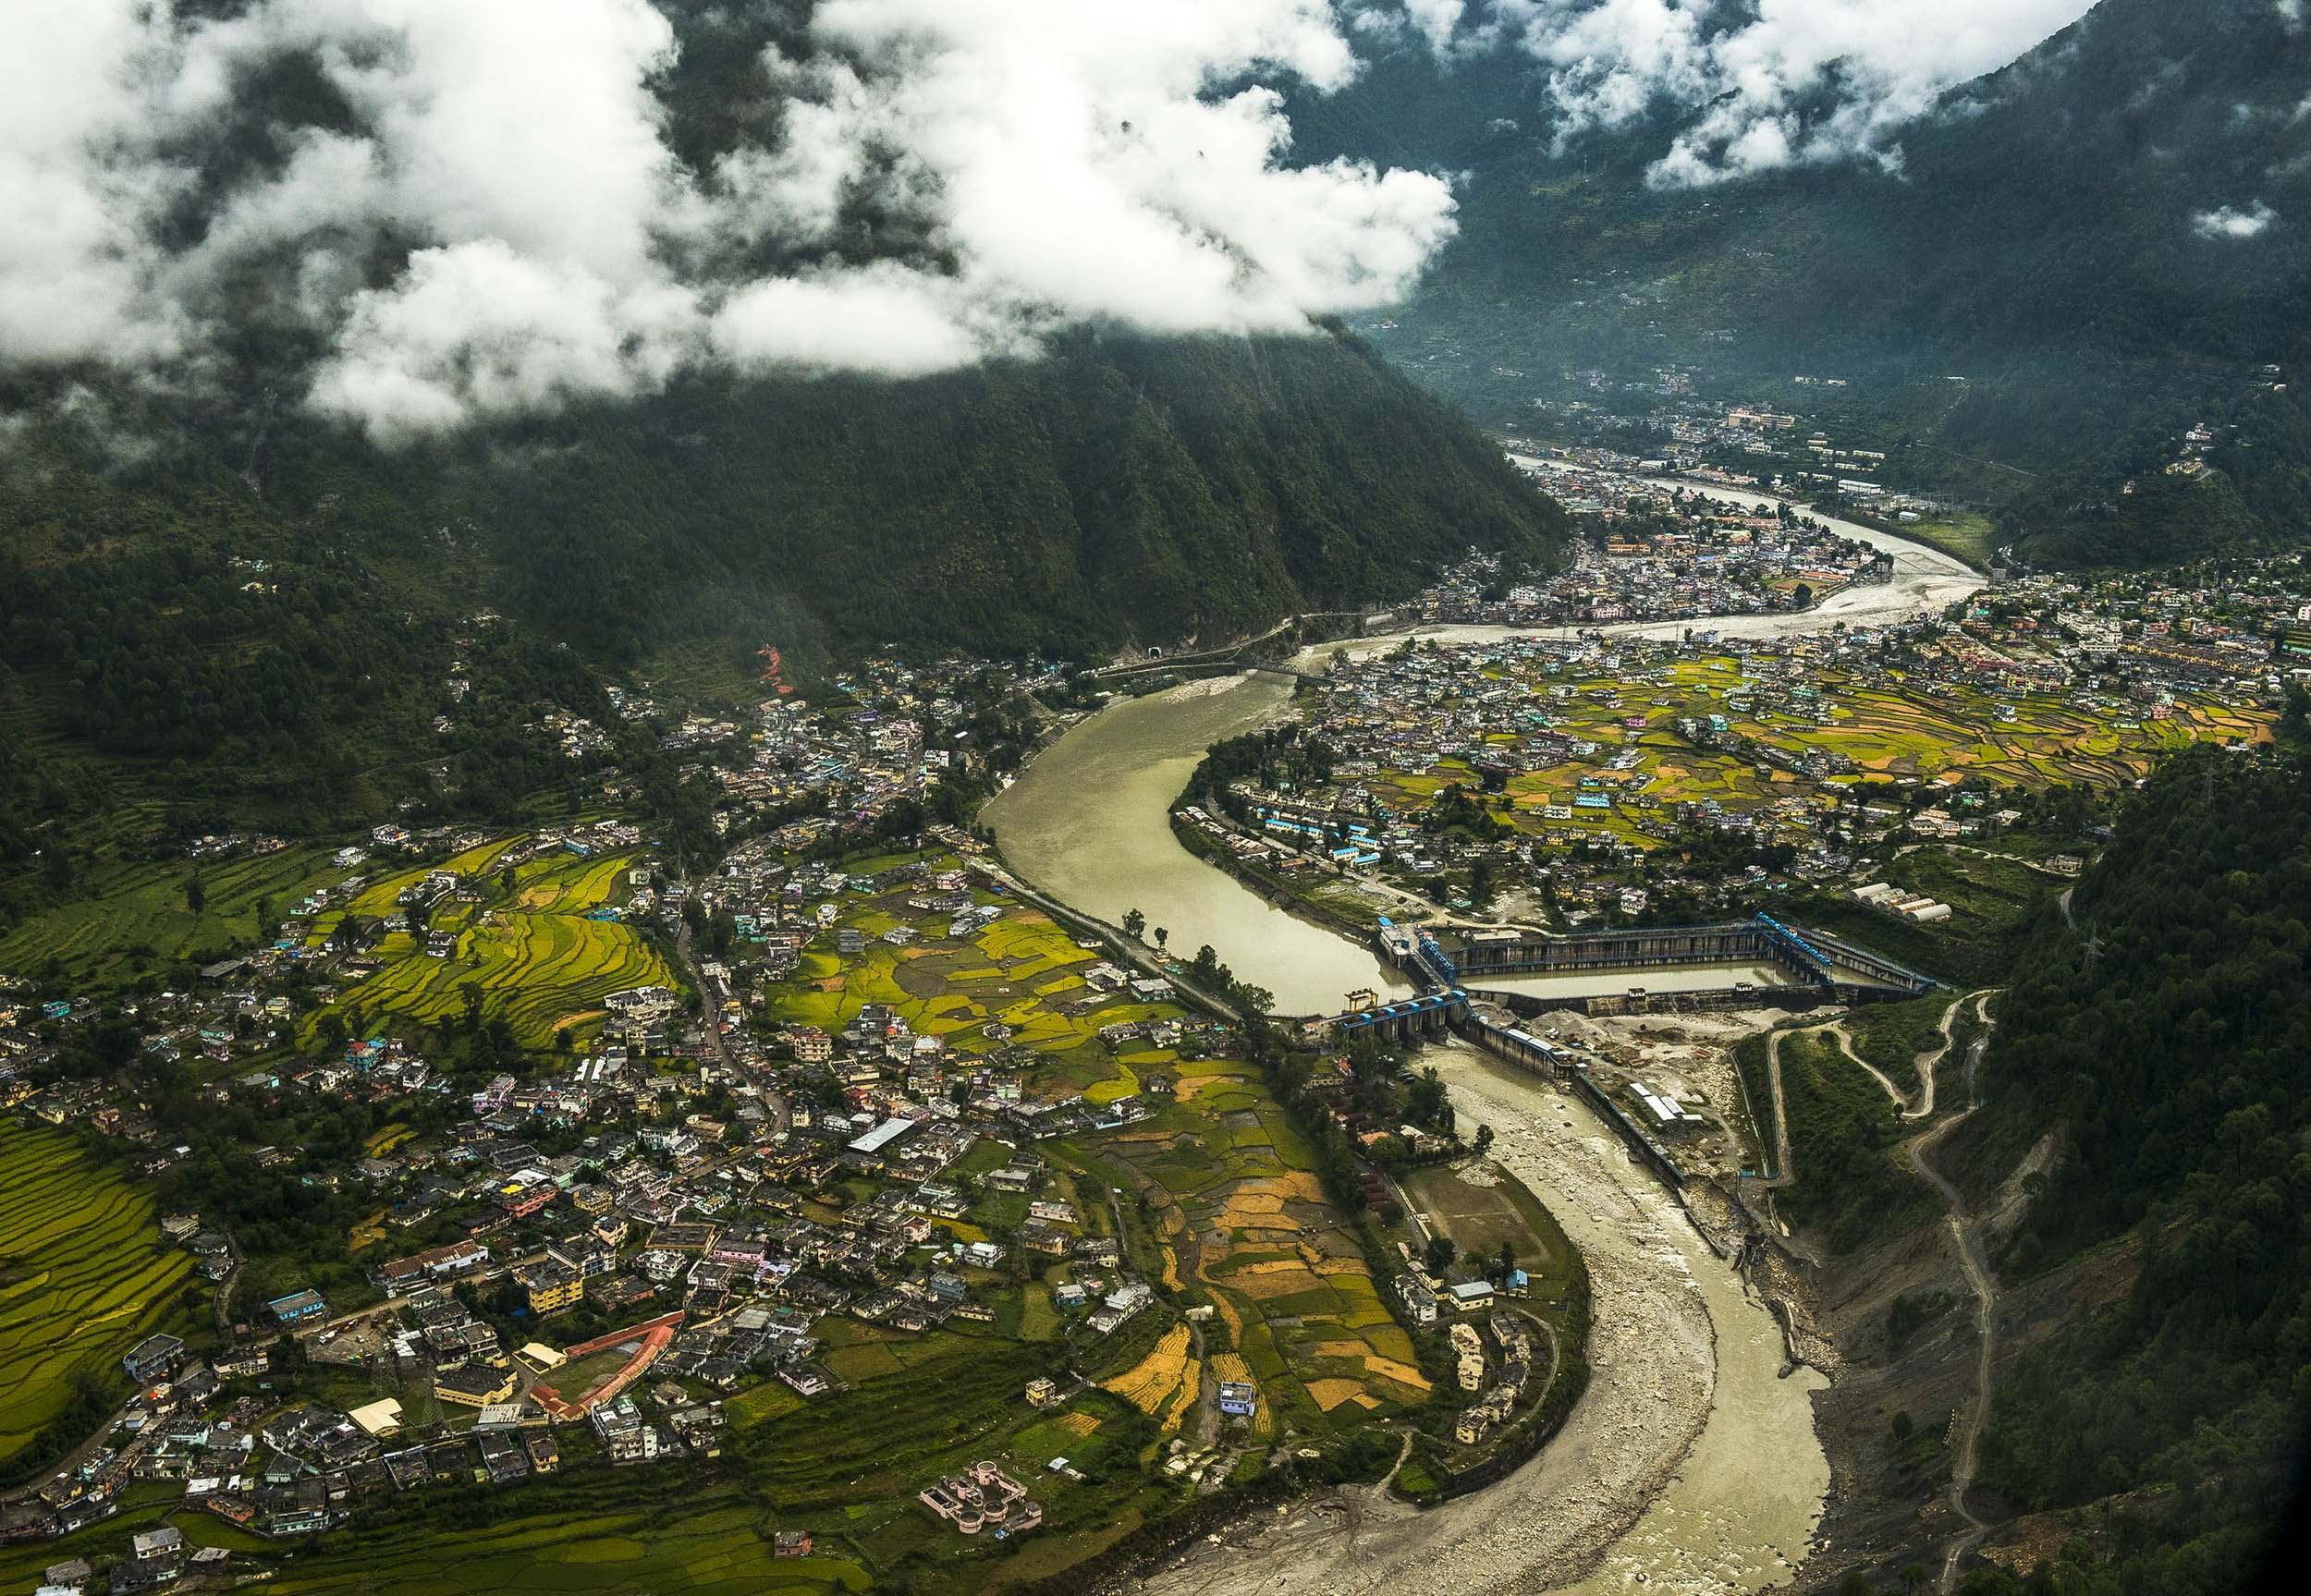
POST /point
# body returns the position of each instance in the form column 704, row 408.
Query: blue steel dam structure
column 1817, row 968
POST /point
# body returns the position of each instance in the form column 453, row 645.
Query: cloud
column 2229, row 222
column 475, row 209
column 1780, row 83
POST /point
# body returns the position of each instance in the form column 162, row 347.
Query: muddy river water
column 1692, row 1463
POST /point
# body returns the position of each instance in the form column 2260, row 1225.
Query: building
column 166, row 1541
column 475, row 1385
column 381, row 1417
column 1473, row 1295
column 1238, row 1399
column 436, row 1263
column 153, row 1357
column 296, row 1308
column 554, row 1286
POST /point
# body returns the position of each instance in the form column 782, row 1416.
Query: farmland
column 125, row 919
column 1016, row 983
column 1245, row 1227
column 536, row 941
column 1888, row 726
column 84, row 1275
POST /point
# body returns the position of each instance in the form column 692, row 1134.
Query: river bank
column 1693, row 1460
column 1089, row 822
column 1656, row 1477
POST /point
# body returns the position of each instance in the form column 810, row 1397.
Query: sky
column 476, row 210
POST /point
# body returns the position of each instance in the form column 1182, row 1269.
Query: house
column 790, row 1543
column 153, row 1357
column 1472, row 1296
column 475, row 1385
column 553, row 1286
column 1420, row 1303
column 166, row 1541
column 297, row 1307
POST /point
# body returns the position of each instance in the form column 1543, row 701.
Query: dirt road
column 1965, row 1453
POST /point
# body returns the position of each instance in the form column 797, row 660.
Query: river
column 1090, row 822
column 1690, row 1464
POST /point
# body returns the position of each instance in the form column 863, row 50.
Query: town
column 499, row 1158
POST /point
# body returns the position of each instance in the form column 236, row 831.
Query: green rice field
column 84, row 1275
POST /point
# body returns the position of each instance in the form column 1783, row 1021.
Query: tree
column 1134, row 922
column 1484, row 1138
column 1439, row 1253
column 1162, row 936
column 196, row 894
column 1506, row 1265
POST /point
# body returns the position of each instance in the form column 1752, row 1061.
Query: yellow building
column 476, row 1385
column 553, row 1286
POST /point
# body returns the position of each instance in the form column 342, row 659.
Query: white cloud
column 1042, row 162
column 1437, row 20
column 1797, row 81
column 2229, row 222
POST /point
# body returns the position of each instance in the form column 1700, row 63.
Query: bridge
column 1822, row 968
column 1839, row 970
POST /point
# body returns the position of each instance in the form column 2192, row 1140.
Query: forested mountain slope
column 270, row 618
column 2108, row 240
column 2160, row 1038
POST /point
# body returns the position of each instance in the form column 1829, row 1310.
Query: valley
column 817, row 797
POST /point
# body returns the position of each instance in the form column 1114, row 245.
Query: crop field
column 122, row 920
column 534, row 956
column 848, row 1464
column 1894, row 728
column 1021, row 973
column 607, row 1549
column 84, row 1275
column 1245, row 1222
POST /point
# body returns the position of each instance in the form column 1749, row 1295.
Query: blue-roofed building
column 297, row 1307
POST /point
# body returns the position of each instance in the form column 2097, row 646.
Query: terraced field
column 602, row 1549
column 537, row 958
column 130, row 917
column 534, row 970
column 84, row 1275
column 1246, row 1223
column 1020, row 972
column 1899, row 728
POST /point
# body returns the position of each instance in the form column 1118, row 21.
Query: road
column 1966, row 1456
column 1928, row 1062
column 782, row 1114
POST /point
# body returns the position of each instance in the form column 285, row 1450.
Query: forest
column 2159, row 1033
column 2028, row 299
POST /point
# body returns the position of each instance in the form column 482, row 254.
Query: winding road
column 1965, row 1456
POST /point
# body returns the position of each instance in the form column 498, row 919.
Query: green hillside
column 2045, row 240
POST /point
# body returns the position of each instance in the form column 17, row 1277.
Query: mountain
column 2106, row 241
column 2135, row 1173
column 252, row 619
